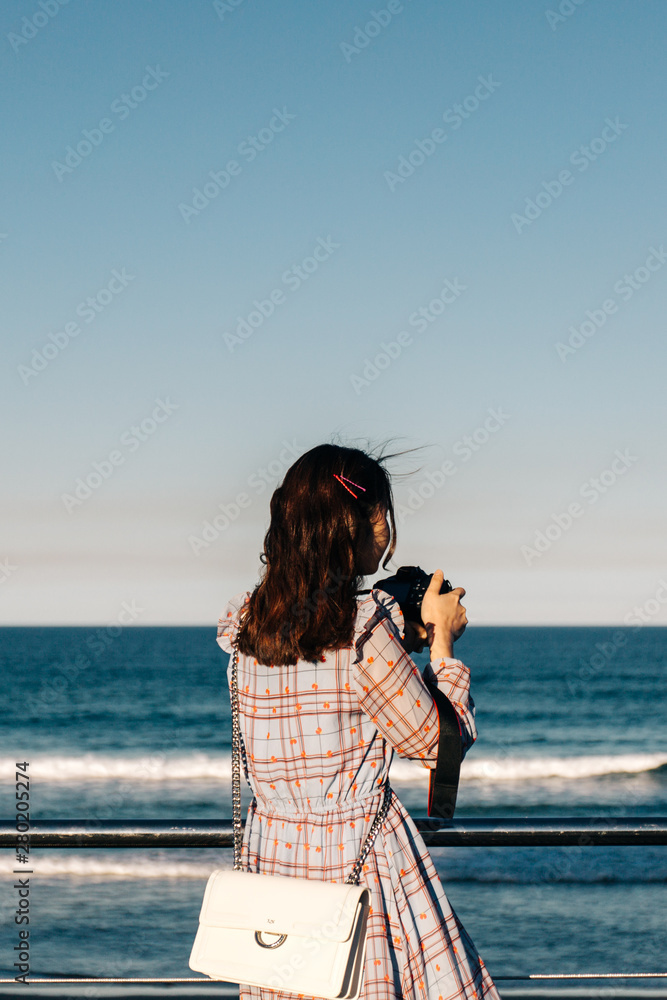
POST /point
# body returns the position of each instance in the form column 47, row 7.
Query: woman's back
column 309, row 744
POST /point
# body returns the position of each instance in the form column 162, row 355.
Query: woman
column 328, row 692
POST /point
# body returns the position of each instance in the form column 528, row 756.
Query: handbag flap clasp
column 304, row 907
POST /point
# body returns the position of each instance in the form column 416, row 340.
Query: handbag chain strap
column 238, row 752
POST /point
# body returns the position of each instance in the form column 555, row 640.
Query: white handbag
column 298, row 935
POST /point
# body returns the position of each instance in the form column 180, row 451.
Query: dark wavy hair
column 306, row 602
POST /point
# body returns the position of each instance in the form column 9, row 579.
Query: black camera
column 408, row 585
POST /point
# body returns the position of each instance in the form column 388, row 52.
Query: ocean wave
column 83, row 866
column 103, row 767
column 531, row 768
column 203, row 767
column 554, row 878
column 516, row 867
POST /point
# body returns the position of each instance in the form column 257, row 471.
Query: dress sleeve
column 392, row 691
column 228, row 623
column 453, row 678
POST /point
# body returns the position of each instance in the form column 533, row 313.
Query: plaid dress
column 319, row 740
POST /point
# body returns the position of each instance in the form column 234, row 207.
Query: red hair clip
column 340, row 480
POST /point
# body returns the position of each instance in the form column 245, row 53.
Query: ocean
column 134, row 723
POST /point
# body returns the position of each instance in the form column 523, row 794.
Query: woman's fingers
column 436, row 582
column 444, row 611
column 415, row 637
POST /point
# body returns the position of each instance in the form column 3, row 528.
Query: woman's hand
column 444, row 616
column 416, row 637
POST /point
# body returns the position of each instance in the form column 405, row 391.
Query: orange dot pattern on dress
column 319, row 740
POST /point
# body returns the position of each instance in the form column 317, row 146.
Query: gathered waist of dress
column 362, row 805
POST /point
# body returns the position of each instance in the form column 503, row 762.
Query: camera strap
column 444, row 779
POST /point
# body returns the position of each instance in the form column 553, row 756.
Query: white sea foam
column 458, row 865
column 203, row 767
column 102, row 767
column 518, row 769
column 84, row 866
column 532, row 768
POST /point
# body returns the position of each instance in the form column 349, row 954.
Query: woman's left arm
column 453, row 678
column 394, row 695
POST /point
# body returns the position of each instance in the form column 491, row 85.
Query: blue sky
column 231, row 231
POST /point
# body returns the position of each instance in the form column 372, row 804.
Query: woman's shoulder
column 374, row 607
column 229, row 620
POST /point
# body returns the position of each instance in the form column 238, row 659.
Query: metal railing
column 489, row 832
